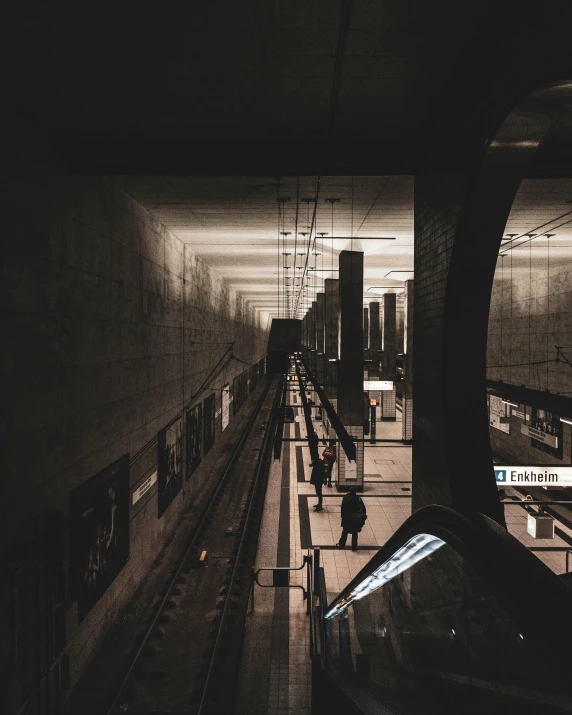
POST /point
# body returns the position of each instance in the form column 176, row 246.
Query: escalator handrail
column 537, row 599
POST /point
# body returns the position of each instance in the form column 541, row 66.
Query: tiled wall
column 111, row 325
column 529, row 315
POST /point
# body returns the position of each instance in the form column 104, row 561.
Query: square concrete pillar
column 320, row 337
column 331, row 324
column 350, row 372
column 374, row 340
column 388, row 355
column 407, row 409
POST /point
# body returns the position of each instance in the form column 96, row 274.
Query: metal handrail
column 566, row 549
column 526, row 502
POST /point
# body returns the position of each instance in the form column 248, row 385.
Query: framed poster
column 225, row 415
column 209, row 412
column 99, row 533
column 170, row 464
column 194, row 438
column 546, row 432
column 236, row 395
column 498, row 409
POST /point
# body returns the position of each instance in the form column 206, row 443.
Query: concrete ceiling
column 236, row 225
column 158, row 97
column 194, row 86
column 541, row 206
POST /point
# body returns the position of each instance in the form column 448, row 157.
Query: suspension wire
column 278, row 257
column 511, row 323
column 502, row 310
column 529, row 233
column 547, row 305
column 317, row 195
column 332, row 236
column 295, row 239
column 352, row 219
column 530, row 306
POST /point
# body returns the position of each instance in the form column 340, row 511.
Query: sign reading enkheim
column 531, row 476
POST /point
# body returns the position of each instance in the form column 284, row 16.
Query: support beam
column 345, row 438
column 320, row 337
column 280, row 421
column 310, row 431
column 350, row 372
column 407, row 407
column 332, row 315
column 388, row 355
column 374, row 340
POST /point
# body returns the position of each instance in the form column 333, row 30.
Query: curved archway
column 464, row 263
column 473, row 261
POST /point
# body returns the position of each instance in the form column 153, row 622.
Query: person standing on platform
column 354, row 515
column 329, row 457
column 317, row 479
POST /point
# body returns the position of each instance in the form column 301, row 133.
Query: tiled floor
column 387, row 496
column 516, row 521
column 387, row 476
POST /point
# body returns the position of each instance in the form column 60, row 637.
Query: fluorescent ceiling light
column 566, row 420
column 508, row 402
column 399, row 275
column 404, row 558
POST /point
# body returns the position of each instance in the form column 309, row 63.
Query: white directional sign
column 549, row 439
column 143, row 488
column 534, row 476
column 378, row 385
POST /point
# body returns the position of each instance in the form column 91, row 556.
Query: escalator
column 452, row 615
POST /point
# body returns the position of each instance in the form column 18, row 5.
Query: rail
column 191, row 545
column 261, row 468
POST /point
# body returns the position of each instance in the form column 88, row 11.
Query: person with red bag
column 329, row 457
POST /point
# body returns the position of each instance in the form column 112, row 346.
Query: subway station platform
column 276, row 670
column 276, row 675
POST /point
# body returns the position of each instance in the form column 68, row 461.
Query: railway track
column 188, row 658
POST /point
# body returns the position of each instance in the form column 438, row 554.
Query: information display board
column 378, row 385
column 498, row 410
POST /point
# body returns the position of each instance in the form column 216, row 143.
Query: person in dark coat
column 354, row 515
column 317, row 479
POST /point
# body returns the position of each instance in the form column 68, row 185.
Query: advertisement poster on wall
column 209, row 416
column 99, row 533
column 225, row 415
column 498, row 409
column 194, row 438
column 170, row 464
column 546, row 432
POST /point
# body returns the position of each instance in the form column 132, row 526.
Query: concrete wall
column 112, row 326
column 529, row 315
column 400, row 324
column 462, row 201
